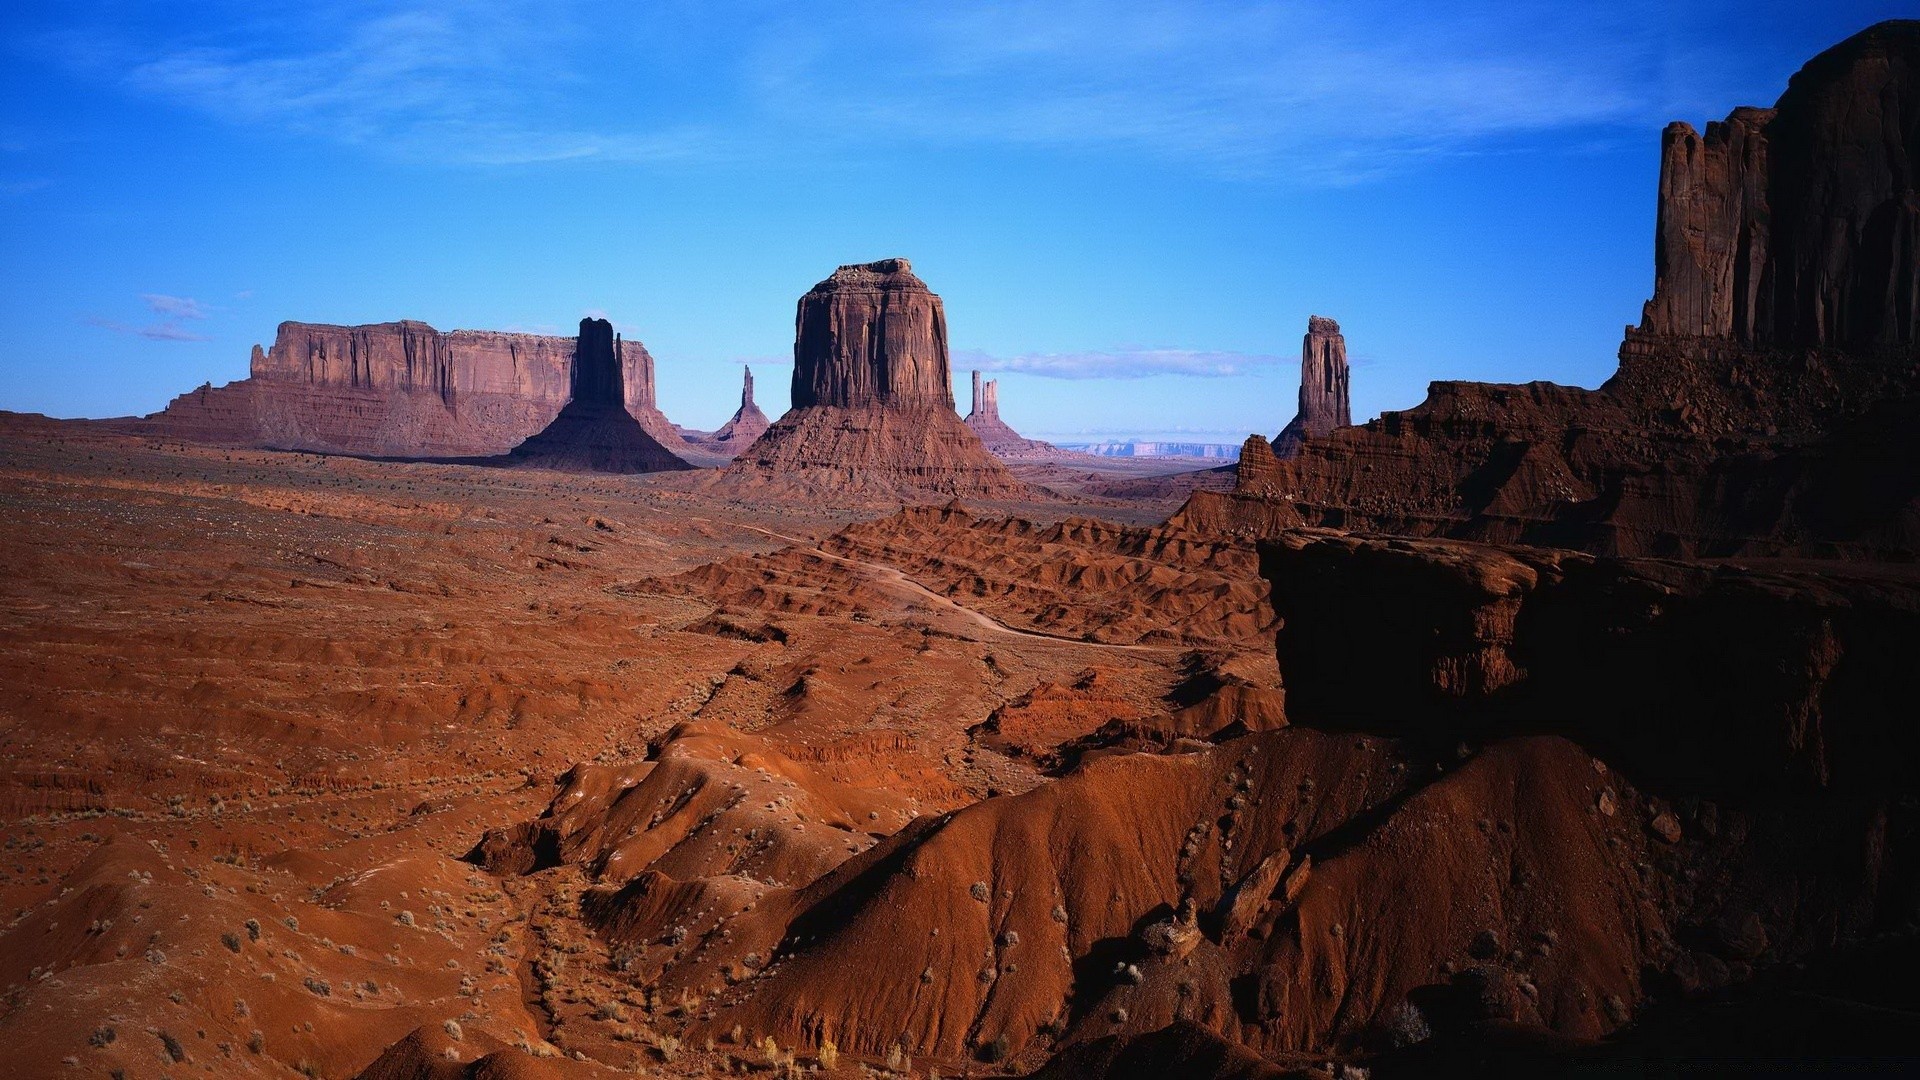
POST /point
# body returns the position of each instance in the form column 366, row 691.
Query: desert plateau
column 427, row 704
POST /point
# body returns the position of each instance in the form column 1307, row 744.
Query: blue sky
column 1130, row 208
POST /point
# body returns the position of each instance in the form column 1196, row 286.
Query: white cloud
column 1313, row 91
column 174, row 307
column 157, row 331
column 1125, row 363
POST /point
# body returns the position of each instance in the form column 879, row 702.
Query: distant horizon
column 1470, row 194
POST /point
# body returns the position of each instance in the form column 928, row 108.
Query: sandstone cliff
column 595, row 431
column 400, row 389
column 872, row 397
column 1323, row 388
column 1768, row 403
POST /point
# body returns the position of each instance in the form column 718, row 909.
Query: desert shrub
column 996, row 1049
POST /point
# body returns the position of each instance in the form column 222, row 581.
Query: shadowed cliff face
column 596, row 366
column 1768, row 403
column 872, row 334
column 1798, row 225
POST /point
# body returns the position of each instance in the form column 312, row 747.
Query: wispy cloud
column 157, row 331
column 1126, row 363
column 1313, row 91
column 174, row 307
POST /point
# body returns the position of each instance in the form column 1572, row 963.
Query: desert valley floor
column 267, row 702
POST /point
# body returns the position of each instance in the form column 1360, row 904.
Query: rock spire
column 594, row 431
column 1323, row 388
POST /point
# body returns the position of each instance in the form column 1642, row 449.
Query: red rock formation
column 871, row 334
column 748, row 422
column 595, row 432
column 1323, row 388
column 873, row 398
column 1770, row 402
column 400, row 390
column 1000, row 438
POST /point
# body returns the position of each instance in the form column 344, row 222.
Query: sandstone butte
column 1768, row 402
column 997, row 435
column 401, row 389
column 594, row 431
column 873, row 397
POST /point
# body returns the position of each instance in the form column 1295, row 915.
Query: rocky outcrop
column 400, row 389
column 1000, row 438
column 595, row 432
column 873, row 397
column 1323, row 388
column 1768, row 403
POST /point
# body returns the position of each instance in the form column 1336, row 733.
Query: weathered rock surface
column 594, row 431
column 873, row 397
column 1769, row 403
column 400, row 389
column 1324, row 406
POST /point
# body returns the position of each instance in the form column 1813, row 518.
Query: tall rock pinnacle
column 748, row 422
column 1323, row 388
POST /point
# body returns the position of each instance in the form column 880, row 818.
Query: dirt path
column 892, row 575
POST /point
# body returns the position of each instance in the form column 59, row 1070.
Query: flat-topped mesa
column 872, row 333
column 1796, row 226
column 1324, row 406
column 401, row 389
column 595, row 432
column 873, row 398
column 1768, row 404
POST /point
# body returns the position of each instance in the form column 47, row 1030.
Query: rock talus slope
column 594, row 432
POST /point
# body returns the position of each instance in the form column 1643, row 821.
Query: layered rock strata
column 873, row 397
column 1323, row 388
column 1768, row 403
column 999, row 437
column 594, row 431
column 400, row 389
